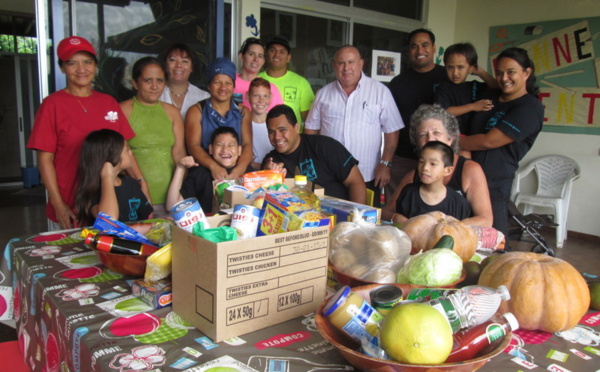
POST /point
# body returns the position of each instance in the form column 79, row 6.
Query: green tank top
column 152, row 147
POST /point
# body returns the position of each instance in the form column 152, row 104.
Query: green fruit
column 445, row 241
column 416, row 333
column 473, row 270
column 595, row 296
column 489, row 259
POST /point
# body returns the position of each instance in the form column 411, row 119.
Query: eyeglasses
column 250, row 41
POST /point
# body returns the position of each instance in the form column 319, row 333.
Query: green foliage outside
column 24, row 45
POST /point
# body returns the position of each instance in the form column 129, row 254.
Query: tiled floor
column 22, row 212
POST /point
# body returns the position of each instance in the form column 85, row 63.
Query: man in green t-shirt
column 295, row 89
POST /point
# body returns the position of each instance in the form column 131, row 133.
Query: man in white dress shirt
column 356, row 110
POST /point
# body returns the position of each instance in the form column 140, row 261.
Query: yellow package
column 262, row 178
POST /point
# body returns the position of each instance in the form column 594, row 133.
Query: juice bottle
column 468, row 342
column 109, row 243
column 301, row 190
column 351, row 314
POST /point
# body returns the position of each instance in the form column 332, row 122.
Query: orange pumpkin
column 546, row 292
column 427, row 229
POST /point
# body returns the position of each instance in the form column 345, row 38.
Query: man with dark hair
column 321, row 159
column 295, row 89
column 410, row 89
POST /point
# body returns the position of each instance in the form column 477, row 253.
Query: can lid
column 512, row 321
column 386, row 293
column 338, row 299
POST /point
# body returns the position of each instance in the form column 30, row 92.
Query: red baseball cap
column 71, row 45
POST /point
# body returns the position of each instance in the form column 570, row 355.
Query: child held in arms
column 435, row 163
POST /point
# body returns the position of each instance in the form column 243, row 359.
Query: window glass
column 313, row 41
column 338, row 2
column 405, row 8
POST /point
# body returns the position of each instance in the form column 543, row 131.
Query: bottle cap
column 512, row 321
column 88, row 240
column 504, row 293
column 300, row 179
column 335, row 301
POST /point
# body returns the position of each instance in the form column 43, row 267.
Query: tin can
column 187, row 213
column 384, row 298
column 245, row 220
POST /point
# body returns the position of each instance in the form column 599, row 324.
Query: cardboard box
column 233, row 288
column 231, row 198
column 157, row 294
column 343, row 210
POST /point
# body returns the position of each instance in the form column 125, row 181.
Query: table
column 73, row 314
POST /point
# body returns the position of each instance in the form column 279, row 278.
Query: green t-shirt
column 296, row 91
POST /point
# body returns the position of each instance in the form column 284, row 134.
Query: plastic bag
column 368, row 252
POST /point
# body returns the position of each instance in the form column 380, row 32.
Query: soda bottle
column 109, row 243
column 468, row 342
column 301, row 190
column 471, row 305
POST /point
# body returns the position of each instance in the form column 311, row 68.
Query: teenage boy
column 430, row 194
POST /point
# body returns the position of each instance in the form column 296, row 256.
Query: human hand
column 64, row 215
column 483, row 105
column 109, row 170
column 382, row 176
column 187, row 162
column 218, row 172
column 270, row 164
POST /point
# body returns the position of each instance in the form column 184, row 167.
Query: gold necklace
column 180, row 94
column 85, row 107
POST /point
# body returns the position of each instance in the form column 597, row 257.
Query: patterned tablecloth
column 73, row 314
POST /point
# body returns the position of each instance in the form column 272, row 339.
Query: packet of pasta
column 263, row 178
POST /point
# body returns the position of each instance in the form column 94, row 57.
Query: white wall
column 472, row 20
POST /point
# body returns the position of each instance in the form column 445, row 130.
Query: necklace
column 180, row 94
column 85, row 107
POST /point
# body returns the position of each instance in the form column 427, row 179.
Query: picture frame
column 285, row 25
column 335, row 33
column 385, row 65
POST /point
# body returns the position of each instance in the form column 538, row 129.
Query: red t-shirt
column 60, row 127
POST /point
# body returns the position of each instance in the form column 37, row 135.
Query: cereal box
column 283, row 211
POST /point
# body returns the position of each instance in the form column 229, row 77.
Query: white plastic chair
column 555, row 174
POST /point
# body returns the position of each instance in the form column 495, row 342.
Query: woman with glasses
column 252, row 56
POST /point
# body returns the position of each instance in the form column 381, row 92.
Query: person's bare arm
column 310, row 131
column 481, row 105
column 355, row 183
column 247, row 152
column 178, row 148
column 174, row 193
column 108, row 197
column 390, row 206
column 484, row 141
column 383, row 173
column 486, row 77
column 64, row 213
column 477, row 194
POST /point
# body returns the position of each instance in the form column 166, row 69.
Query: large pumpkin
column 546, row 292
column 425, row 231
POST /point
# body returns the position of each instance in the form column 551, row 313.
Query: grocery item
column 245, row 220
column 468, row 342
column 427, row 229
column 283, row 211
column 304, row 193
column 108, row 243
column 187, row 213
column 385, row 298
column 426, row 294
column 548, row 294
column 472, row 305
column 416, row 333
column 351, row 314
column 158, row 265
column 262, row 178
column 436, row 267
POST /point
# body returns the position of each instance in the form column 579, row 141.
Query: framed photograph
column 335, row 33
column 385, row 65
column 285, row 25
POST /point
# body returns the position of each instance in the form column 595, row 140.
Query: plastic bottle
column 351, row 314
column 426, row 294
column 301, row 190
column 109, row 243
column 470, row 341
column 471, row 305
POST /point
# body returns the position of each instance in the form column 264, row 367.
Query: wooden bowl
column 351, row 281
column 126, row 264
column 347, row 347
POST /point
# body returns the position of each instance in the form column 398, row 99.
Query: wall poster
column 566, row 55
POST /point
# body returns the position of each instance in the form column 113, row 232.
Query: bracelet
column 140, row 180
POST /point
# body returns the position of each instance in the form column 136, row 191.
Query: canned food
column 385, row 298
column 188, row 213
column 245, row 220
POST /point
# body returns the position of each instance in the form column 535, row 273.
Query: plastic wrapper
column 158, row 265
column 262, row 178
column 368, row 252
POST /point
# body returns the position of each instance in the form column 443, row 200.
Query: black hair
column 61, row 62
column 283, row 110
column 224, row 130
column 522, row 58
column 178, row 47
column 422, row 31
column 447, row 153
column 466, row 49
column 141, row 63
column 250, row 41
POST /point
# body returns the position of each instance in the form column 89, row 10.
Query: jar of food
column 384, row 298
column 351, row 314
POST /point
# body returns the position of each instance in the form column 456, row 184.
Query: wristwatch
column 386, row 163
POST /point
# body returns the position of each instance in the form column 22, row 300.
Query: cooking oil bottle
column 301, row 190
